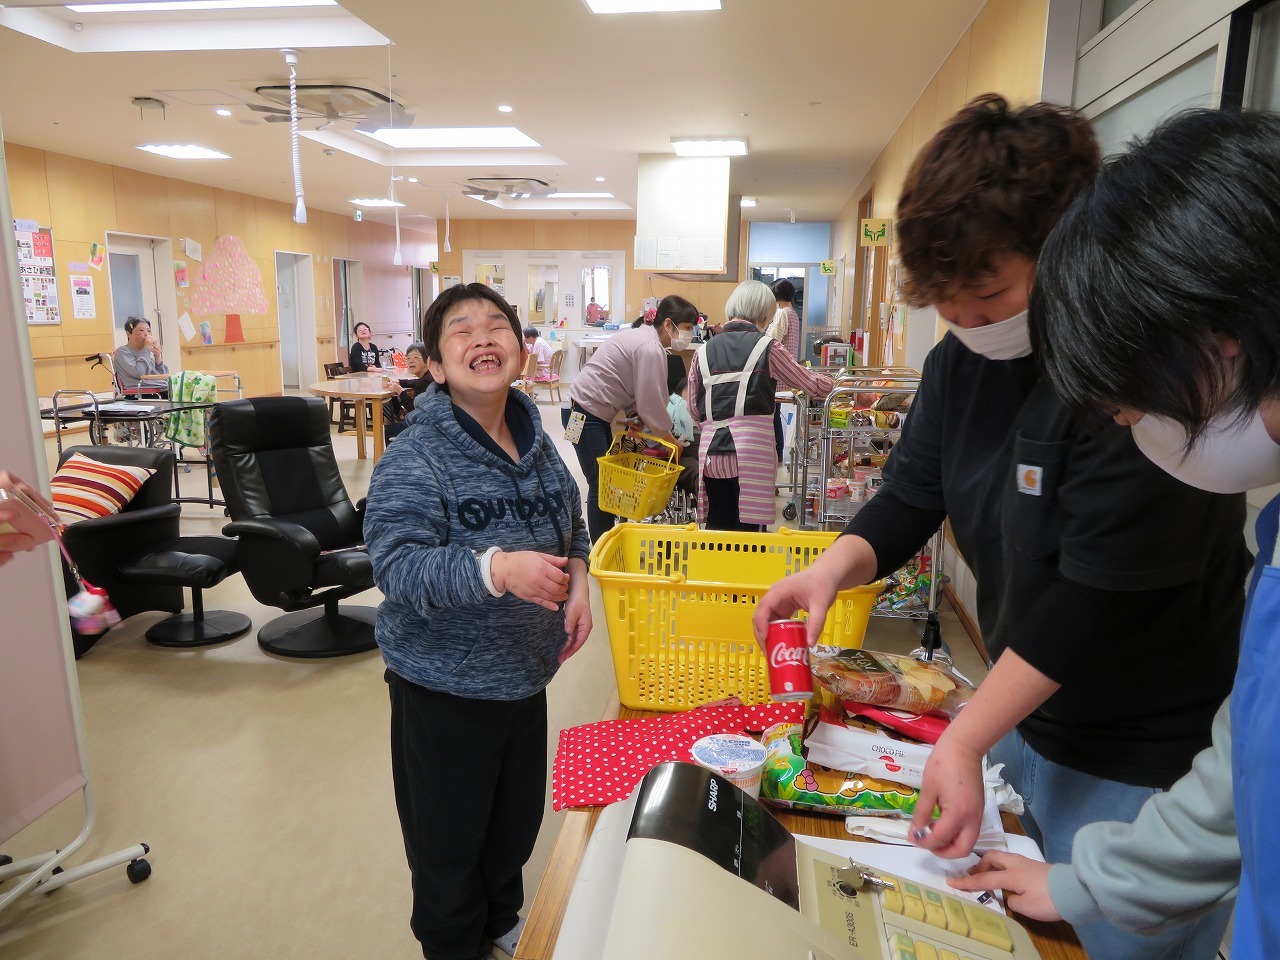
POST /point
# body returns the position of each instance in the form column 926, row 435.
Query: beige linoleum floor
column 263, row 787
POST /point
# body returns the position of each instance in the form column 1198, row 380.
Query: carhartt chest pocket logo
column 1030, row 479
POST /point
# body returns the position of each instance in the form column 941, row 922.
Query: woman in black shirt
column 364, row 355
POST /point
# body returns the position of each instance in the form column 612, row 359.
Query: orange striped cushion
column 84, row 488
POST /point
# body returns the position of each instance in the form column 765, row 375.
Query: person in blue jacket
column 1157, row 304
column 480, row 549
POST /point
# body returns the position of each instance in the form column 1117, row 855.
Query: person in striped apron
column 732, row 382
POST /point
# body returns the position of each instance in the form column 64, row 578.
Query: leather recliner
column 300, row 538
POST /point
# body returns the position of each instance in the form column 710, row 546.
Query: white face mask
column 1230, row 456
column 679, row 342
column 1007, row 340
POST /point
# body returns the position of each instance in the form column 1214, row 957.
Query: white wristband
column 486, row 569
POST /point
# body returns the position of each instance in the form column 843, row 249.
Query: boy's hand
column 810, row 590
column 536, row 577
column 1024, row 881
column 952, row 783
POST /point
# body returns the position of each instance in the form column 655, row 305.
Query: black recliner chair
column 297, row 530
column 140, row 558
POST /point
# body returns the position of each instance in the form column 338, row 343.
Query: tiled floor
column 264, row 789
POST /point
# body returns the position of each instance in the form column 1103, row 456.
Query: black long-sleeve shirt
column 1117, row 581
column 362, row 358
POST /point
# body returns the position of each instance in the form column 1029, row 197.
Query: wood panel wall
column 1001, row 52
column 82, row 200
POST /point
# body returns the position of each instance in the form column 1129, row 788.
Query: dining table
column 362, row 390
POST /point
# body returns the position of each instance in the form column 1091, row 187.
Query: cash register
column 690, row 868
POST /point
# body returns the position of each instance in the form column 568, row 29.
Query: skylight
column 651, row 6
column 162, row 6
column 186, row 151
column 442, row 138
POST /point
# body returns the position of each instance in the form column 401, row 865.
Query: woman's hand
column 1024, row 881
column 536, row 577
column 952, row 783
column 11, row 543
column 812, row 590
column 577, row 612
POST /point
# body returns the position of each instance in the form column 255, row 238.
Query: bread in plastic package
column 889, row 680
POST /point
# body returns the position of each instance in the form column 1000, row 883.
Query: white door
column 286, row 311
column 295, row 310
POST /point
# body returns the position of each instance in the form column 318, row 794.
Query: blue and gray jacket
column 437, row 495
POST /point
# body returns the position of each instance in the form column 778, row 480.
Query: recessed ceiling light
column 579, row 196
column 505, row 108
column 188, row 151
column 651, row 6
column 599, row 179
column 430, row 138
column 223, row 112
column 727, row 147
column 169, row 5
column 375, row 202
column 413, row 179
column 748, row 201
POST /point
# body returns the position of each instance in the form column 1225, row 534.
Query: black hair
column 359, row 324
column 132, row 324
column 433, row 319
column 420, row 347
column 1173, row 246
column 784, row 290
column 992, row 182
column 676, row 382
column 676, row 309
column 531, row 332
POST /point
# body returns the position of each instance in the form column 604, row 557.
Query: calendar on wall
column 36, row 268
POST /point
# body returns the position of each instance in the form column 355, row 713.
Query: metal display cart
column 860, row 435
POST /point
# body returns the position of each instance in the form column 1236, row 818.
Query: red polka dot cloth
column 600, row 763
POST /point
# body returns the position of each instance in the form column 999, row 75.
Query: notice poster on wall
column 36, row 268
column 82, row 307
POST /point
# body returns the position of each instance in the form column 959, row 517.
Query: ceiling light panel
column 452, row 138
column 188, row 151
column 579, row 196
column 375, row 202
column 725, row 147
column 162, row 6
column 651, row 6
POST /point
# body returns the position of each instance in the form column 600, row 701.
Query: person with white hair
column 732, row 382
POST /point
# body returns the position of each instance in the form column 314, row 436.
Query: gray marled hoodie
column 435, row 496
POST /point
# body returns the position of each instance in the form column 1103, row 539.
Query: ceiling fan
column 331, row 102
column 510, row 188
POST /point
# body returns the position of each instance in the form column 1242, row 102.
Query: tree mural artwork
column 230, row 283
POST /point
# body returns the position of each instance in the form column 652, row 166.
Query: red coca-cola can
column 787, row 649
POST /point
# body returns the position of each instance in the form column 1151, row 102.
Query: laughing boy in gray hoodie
column 475, row 528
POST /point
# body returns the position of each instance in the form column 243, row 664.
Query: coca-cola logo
column 783, row 655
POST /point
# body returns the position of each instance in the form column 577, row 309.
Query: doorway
column 142, row 285
column 798, row 277
column 295, row 309
column 348, row 295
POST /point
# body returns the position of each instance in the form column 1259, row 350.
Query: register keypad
column 935, row 911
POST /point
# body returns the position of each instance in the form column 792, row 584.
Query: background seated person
column 541, row 349
column 398, row 407
column 365, row 355
column 139, row 362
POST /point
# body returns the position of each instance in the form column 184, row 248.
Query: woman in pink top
column 627, row 374
column 732, row 382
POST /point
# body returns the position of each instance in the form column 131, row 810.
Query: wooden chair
column 527, row 374
column 553, row 380
column 346, row 408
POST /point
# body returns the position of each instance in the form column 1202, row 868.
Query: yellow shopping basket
column 636, row 486
column 679, row 601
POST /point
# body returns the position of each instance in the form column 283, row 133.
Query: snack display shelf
column 864, row 446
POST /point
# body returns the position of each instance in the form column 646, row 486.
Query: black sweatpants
column 470, row 779
column 723, row 495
